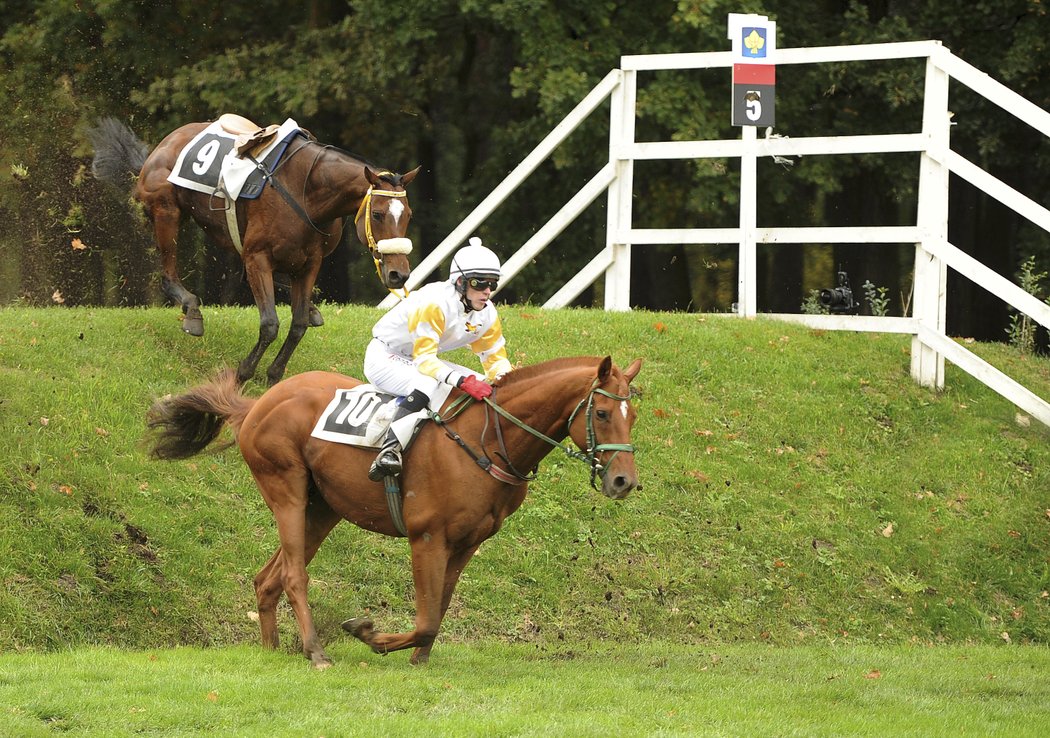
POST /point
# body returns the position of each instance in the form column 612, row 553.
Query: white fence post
column 618, row 213
column 931, row 274
column 747, row 268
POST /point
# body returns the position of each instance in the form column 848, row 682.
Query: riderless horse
column 289, row 227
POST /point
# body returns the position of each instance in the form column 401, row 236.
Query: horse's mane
column 526, row 373
column 391, row 177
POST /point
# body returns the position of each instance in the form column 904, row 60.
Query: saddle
column 250, row 137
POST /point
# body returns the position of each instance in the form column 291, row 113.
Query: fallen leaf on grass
column 873, row 674
column 212, row 696
column 887, row 531
column 56, row 296
column 78, row 245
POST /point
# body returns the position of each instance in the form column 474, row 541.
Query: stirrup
column 386, row 464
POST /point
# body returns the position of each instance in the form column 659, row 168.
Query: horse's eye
column 602, row 414
column 378, row 217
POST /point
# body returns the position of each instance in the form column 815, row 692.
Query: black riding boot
column 388, row 461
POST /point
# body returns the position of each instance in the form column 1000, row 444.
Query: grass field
column 809, row 516
column 488, row 689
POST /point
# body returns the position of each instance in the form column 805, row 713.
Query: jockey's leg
column 388, row 461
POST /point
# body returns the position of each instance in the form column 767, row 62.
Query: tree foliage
column 468, row 88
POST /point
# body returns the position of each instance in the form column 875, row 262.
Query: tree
column 467, row 88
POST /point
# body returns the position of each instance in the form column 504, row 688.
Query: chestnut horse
column 289, row 228
column 451, row 502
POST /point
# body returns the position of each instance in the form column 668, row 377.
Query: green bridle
column 590, row 454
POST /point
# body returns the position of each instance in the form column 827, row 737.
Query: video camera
column 839, row 299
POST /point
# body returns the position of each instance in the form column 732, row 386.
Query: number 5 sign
column 754, row 40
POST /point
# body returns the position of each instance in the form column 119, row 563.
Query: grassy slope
column 775, row 461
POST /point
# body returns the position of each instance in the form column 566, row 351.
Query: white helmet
column 474, row 259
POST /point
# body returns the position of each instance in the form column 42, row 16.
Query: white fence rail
column 933, row 253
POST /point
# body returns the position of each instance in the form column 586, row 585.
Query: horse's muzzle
column 618, row 486
column 396, row 279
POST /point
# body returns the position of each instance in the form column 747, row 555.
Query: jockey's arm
column 426, row 326
column 491, row 349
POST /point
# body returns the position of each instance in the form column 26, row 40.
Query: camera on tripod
column 839, row 299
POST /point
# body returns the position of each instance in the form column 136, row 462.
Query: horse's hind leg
column 165, row 214
column 320, row 519
column 268, row 590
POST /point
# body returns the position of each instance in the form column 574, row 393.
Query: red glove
column 476, row 388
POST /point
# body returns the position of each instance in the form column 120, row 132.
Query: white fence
column 933, row 252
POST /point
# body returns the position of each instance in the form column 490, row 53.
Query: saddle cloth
column 211, row 164
column 361, row 416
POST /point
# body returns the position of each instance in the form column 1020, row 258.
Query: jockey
column 402, row 357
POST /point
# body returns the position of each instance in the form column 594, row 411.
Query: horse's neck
column 544, row 404
column 337, row 186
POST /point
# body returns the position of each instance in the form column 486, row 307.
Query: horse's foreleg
column 260, row 278
column 166, row 218
column 320, row 519
column 302, row 312
column 430, row 559
column 455, row 568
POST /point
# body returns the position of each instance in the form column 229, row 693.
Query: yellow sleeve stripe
column 427, row 324
column 429, row 319
column 493, row 337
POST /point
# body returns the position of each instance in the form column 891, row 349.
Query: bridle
column 589, row 455
column 386, row 245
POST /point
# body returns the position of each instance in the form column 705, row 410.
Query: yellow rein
column 366, row 208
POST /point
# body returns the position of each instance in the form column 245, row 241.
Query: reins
column 272, row 179
column 589, row 455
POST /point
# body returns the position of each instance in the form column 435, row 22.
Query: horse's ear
column 407, row 177
column 372, row 177
column 605, row 369
column 632, row 371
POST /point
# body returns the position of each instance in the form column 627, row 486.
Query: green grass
column 594, row 689
column 774, row 458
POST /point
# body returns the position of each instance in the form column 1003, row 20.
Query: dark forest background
column 467, row 89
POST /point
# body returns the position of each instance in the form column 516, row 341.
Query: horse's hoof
column 193, row 326
column 316, row 320
column 358, row 627
column 321, row 662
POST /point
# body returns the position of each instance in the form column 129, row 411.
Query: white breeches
column 397, row 374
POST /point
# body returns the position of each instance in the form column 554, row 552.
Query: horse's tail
column 119, row 154
column 185, row 425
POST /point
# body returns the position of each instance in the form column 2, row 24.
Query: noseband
column 590, row 455
column 386, row 245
